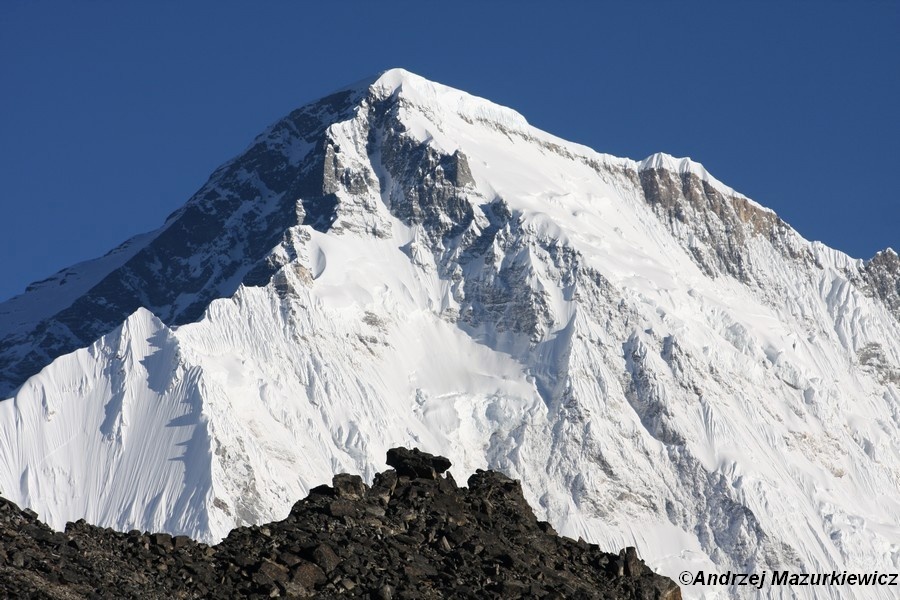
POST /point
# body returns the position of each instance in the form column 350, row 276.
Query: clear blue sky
column 113, row 113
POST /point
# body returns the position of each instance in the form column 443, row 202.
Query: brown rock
column 348, row 486
column 634, row 566
column 308, row 575
column 163, row 540
column 342, row 508
column 325, row 557
column 274, row 571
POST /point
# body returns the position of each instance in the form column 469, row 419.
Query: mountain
column 661, row 361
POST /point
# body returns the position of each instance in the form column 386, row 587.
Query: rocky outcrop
column 882, row 277
column 412, row 534
column 715, row 226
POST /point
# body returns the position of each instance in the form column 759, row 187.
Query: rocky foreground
column 413, row 534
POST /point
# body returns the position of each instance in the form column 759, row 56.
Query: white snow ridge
column 661, row 361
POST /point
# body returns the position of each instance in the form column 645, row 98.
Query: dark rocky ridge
column 231, row 225
column 413, row 534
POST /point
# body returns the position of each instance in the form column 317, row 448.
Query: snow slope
column 662, row 362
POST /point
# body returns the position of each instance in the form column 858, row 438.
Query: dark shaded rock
column 415, row 534
column 342, row 508
column 384, row 484
column 326, row 558
column 308, row 575
column 417, row 464
column 322, row 490
column 348, row 486
column 634, row 566
column 163, row 540
column 291, row 560
column 546, row 527
column 273, row 571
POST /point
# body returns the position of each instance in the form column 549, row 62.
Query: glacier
column 663, row 362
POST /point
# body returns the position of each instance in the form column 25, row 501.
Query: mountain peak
column 424, row 92
column 396, row 77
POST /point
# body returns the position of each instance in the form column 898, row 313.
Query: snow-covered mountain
column 663, row 362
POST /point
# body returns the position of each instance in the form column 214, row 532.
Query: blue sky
column 113, row 113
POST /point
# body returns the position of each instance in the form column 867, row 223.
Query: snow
column 422, row 92
column 715, row 424
column 119, row 438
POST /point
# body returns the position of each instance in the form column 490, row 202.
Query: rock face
column 233, row 221
column 413, row 534
column 882, row 273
